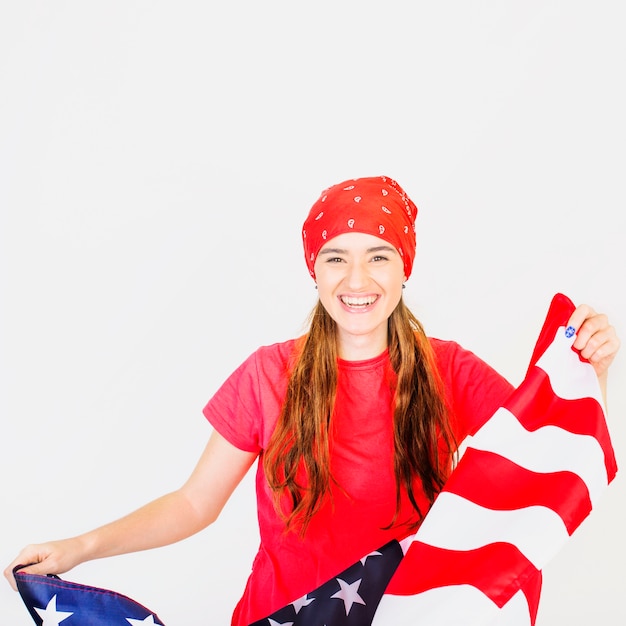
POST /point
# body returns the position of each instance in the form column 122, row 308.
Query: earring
column 403, row 286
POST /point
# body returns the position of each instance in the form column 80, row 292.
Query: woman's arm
column 167, row 519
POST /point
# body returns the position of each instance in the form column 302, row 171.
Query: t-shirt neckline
column 364, row 363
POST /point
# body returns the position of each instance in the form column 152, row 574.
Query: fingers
column 582, row 314
column 8, row 574
column 596, row 339
column 20, row 562
column 28, row 556
column 35, row 559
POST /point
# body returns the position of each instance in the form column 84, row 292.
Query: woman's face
column 359, row 280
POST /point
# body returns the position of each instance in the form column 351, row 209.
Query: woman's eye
column 334, row 259
column 379, row 258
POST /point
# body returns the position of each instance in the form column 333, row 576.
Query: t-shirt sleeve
column 234, row 410
column 474, row 390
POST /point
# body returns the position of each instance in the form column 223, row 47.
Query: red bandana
column 376, row 205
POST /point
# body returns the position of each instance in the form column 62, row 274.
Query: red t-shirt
column 244, row 411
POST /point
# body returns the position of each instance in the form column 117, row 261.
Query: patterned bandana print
column 376, row 205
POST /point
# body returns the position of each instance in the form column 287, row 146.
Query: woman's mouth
column 360, row 302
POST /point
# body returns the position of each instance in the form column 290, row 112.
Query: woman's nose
column 357, row 276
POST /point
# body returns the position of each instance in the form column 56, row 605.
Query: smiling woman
column 359, row 242
column 359, row 279
column 356, row 426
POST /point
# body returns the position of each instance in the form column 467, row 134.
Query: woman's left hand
column 595, row 338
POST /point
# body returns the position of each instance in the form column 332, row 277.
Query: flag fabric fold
column 52, row 601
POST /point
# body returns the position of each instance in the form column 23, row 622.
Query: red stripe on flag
column 559, row 312
column 582, row 416
column 532, row 591
column 489, row 485
column 425, row 567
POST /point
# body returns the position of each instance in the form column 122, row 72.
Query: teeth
column 363, row 301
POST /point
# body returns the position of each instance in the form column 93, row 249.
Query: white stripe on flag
column 514, row 613
column 570, row 378
column 548, row 449
column 458, row 524
column 456, row 605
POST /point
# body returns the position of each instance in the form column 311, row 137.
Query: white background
column 156, row 163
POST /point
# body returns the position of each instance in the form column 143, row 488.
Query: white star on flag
column 275, row 623
column 300, row 602
column 138, row 622
column 349, row 594
column 50, row 615
column 375, row 553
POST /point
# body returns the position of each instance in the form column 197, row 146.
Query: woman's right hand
column 54, row 557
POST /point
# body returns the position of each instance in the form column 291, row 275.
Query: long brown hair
column 297, row 458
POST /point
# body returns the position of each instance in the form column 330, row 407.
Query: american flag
column 526, row 481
